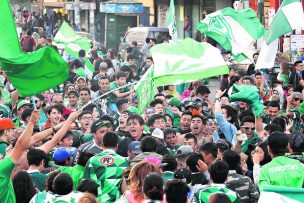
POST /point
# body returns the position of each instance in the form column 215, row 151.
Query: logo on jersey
column 107, row 160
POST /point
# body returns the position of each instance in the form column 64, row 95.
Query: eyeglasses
column 87, row 118
column 211, row 123
column 248, row 128
column 36, row 101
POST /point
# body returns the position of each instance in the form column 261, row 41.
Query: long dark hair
column 23, row 187
column 153, row 187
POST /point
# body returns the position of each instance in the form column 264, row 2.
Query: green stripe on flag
column 280, row 24
column 178, row 63
column 71, row 42
column 89, row 68
column 233, row 30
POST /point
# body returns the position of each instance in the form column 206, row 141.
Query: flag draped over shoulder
column 289, row 17
column 30, row 73
column 178, row 63
column 234, row 30
column 171, row 22
column 67, row 38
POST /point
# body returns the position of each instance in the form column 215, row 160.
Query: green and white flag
column 289, row 17
column 89, row 68
column 67, row 38
column 171, row 22
column 281, row 194
column 235, row 31
column 178, row 63
column 145, row 89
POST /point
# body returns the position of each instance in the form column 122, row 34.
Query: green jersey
column 282, row 171
column 76, row 172
column 3, row 146
column 113, row 86
column 106, row 169
column 203, row 194
column 296, row 127
column 7, row 193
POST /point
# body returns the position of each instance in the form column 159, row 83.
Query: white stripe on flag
column 267, row 55
column 294, row 14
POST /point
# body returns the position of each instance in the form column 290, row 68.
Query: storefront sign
column 121, row 8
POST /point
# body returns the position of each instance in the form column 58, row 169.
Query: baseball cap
column 80, row 78
column 183, row 174
column 62, row 153
column 134, row 147
column 22, row 103
column 74, row 93
column 158, row 133
column 185, row 149
column 98, row 124
column 297, row 95
column 6, row 123
column 175, row 102
column 103, row 65
column 191, row 104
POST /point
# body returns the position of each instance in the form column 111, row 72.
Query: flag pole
column 91, row 101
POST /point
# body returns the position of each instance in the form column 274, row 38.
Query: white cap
column 158, row 133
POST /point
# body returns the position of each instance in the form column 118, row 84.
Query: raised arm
column 24, row 140
column 48, row 146
column 44, row 134
column 259, row 126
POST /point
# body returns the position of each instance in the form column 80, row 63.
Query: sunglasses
column 248, row 128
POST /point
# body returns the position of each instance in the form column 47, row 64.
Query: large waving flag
column 178, row 63
column 72, row 44
column 234, row 30
column 67, row 38
column 30, row 73
column 289, row 17
column 171, row 22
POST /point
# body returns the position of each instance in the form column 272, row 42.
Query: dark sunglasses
column 248, row 128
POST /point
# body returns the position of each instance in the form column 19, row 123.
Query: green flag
column 81, row 72
column 281, row 194
column 178, row 63
column 145, row 90
column 29, row 73
column 171, row 22
column 89, row 68
column 234, row 30
column 67, row 38
column 289, row 17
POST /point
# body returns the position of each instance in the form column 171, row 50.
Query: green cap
column 22, row 103
column 98, row 124
column 175, row 102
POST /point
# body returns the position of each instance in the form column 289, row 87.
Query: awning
column 54, row 4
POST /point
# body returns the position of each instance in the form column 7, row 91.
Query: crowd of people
column 86, row 141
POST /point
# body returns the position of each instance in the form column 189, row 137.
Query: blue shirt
column 227, row 128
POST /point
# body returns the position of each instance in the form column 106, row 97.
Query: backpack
column 26, row 44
